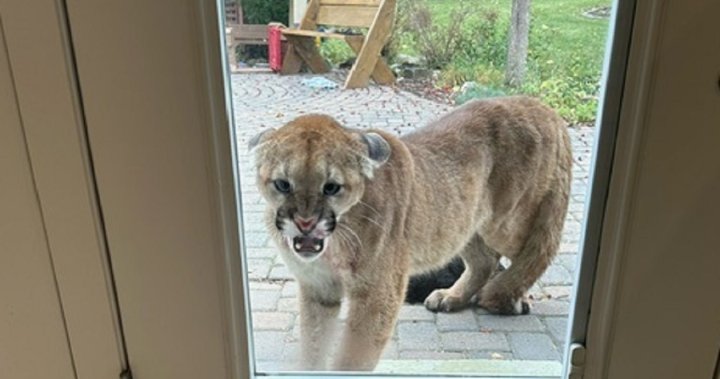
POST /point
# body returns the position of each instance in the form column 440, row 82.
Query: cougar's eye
column 282, row 185
column 330, row 189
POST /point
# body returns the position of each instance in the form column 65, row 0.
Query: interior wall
column 43, row 74
column 33, row 339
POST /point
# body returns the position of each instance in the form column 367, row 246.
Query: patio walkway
column 265, row 100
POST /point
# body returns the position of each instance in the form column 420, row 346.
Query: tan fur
column 490, row 179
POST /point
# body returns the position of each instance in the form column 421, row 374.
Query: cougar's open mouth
column 308, row 246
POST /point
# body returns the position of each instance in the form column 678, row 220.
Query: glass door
column 174, row 107
column 565, row 44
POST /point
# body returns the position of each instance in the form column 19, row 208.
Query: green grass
column 566, row 51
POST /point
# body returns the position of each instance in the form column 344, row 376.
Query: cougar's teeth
column 298, row 246
column 317, row 247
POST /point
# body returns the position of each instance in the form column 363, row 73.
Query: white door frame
column 155, row 105
column 650, row 314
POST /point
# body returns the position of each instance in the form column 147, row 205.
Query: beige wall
column 49, row 107
column 33, row 340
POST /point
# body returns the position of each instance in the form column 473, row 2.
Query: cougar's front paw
column 442, row 301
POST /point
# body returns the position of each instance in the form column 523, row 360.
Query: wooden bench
column 378, row 16
column 244, row 34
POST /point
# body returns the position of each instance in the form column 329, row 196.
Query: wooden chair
column 243, row 34
column 376, row 15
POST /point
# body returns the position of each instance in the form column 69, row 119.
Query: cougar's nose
column 306, row 224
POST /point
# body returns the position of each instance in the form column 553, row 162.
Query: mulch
column 422, row 87
column 426, row 89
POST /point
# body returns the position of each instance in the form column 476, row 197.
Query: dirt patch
column 598, row 12
column 423, row 87
column 426, row 89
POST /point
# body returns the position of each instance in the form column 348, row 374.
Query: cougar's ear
column 378, row 148
column 378, row 151
column 259, row 138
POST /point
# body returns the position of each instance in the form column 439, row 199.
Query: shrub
column 574, row 96
column 455, row 44
column 336, row 51
column 481, row 55
column 262, row 12
column 265, row 11
column 473, row 90
column 398, row 41
column 437, row 42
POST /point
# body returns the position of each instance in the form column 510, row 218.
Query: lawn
column 566, row 48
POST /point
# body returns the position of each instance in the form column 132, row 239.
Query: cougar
column 356, row 212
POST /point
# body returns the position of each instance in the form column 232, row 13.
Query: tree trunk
column 518, row 43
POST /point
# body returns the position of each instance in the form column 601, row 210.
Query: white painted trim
column 613, row 78
column 158, row 127
column 223, row 144
column 629, row 138
column 653, row 314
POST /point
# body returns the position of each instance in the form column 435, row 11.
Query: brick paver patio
column 263, row 101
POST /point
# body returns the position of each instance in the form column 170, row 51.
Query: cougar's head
column 311, row 171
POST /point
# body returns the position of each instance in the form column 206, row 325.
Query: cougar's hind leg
column 505, row 292
column 480, row 261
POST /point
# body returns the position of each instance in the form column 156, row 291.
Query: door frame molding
column 159, row 135
column 190, row 166
column 52, row 118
